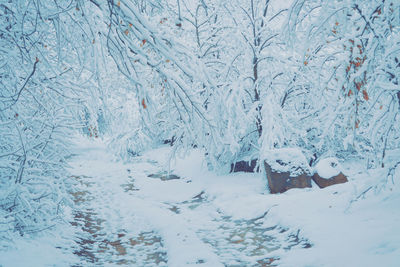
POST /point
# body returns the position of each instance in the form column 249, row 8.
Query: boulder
column 280, row 182
column 328, row 172
column 286, row 168
column 244, row 166
column 324, row 182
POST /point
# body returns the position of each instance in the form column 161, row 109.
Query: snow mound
column 290, row 160
column 328, row 167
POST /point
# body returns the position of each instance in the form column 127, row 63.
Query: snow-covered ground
column 158, row 211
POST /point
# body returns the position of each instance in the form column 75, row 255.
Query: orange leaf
column 144, row 41
column 126, row 32
column 337, row 23
column 119, row 3
column 357, row 124
column 130, row 25
column 365, row 95
column 144, row 104
column 305, row 63
column 350, row 93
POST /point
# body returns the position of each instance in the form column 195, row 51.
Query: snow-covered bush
column 39, row 102
column 345, row 52
column 238, row 78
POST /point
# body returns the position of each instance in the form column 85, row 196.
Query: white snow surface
column 204, row 219
column 328, row 167
column 42, row 249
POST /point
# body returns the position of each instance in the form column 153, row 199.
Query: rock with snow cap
column 328, row 172
column 286, row 168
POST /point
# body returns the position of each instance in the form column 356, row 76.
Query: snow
column 362, row 234
column 42, row 250
column 287, row 160
column 204, row 219
column 328, row 167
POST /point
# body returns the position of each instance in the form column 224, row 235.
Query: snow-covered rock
column 328, row 167
column 291, row 160
column 328, row 172
column 286, row 168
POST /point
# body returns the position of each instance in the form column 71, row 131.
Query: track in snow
column 136, row 214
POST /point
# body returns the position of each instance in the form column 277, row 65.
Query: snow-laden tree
column 241, row 77
column 43, row 65
column 346, row 53
column 197, row 66
column 166, row 77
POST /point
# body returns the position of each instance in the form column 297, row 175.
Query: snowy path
column 135, row 214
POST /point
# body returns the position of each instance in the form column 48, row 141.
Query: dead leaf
column 365, row 95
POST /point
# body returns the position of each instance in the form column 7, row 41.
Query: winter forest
column 154, row 132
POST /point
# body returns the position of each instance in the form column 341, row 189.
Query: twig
column 23, row 86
